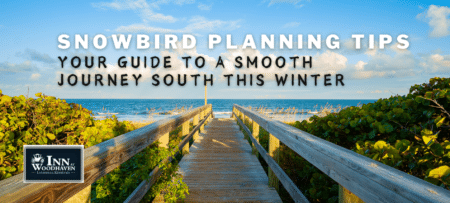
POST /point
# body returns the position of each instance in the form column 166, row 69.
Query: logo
column 53, row 164
column 37, row 161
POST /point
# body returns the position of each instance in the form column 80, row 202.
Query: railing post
column 210, row 110
column 244, row 118
column 274, row 147
column 164, row 141
column 202, row 115
column 195, row 123
column 210, row 116
column 255, row 134
column 184, row 132
column 232, row 113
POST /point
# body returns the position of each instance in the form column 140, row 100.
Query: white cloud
column 147, row 13
column 360, row 65
column 393, row 62
column 296, row 3
column 377, row 91
column 397, row 50
column 436, row 63
column 438, row 19
column 399, row 63
column 15, row 68
column 145, row 10
column 204, row 7
column 349, row 44
column 196, row 23
column 35, row 76
column 374, row 51
column 291, row 25
column 349, row 47
column 327, row 62
column 330, row 62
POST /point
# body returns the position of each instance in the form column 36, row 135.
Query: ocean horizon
column 145, row 110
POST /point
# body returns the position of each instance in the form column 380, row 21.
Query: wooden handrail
column 290, row 186
column 370, row 180
column 145, row 185
column 99, row 160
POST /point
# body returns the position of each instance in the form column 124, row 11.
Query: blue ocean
column 144, row 110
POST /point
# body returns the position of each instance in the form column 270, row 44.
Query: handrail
column 99, row 160
column 145, row 185
column 370, row 180
column 290, row 186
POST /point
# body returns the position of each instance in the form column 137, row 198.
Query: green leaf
column 439, row 172
column 440, row 122
column 428, row 137
column 437, row 149
column 51, row 136
column 358, row 145
column 380, row 145
column 426, row 132
column 330, row 123
column 5, row 99
column 402, row 145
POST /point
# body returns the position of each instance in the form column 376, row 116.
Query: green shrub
column 50, row 121
column 409, row 132
column 117, row 185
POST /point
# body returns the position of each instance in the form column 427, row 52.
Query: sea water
column 144, row 110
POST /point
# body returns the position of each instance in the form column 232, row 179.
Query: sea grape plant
column 47, row 120
column 409, row 132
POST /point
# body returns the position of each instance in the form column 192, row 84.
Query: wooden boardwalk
column 221, row 167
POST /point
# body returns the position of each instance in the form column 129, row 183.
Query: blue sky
column 29, row 48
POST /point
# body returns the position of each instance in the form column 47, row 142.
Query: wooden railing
column 102, row 158
column 370, row 180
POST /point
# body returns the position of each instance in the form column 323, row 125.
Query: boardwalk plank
column 221, row 168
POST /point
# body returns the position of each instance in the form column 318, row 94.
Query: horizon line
column 217, row 99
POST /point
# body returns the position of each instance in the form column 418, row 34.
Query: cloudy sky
column 29, row 50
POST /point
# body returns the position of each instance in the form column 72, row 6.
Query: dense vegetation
column 409, row 132
column 117, row 185
column 50, row 121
